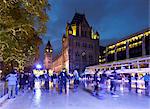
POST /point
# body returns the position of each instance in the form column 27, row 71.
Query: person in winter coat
column 136, row 83
column 22, row 81
column 46, row 77
column 31, row 81
column 129, row 81
column 54, row 78
column 63, row 80
column 113, row 82
column 103, row 82
column 12, row 81
column 76, row 79
column 146, row 80
column 96, row 83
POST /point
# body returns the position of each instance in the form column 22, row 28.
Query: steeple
column 48, row 47
column 48, row 56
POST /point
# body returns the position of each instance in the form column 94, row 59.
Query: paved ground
column 77, row 100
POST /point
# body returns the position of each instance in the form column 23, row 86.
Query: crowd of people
column 100, row 82
column 26, row 81
column 20, row 82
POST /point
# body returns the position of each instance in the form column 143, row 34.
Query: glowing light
column 94, row 35
column 50, row 72
column 37, row 73
column 111, row 47
column 47, row 50
column 74, row 27
column 38, row 66
column 70, row 32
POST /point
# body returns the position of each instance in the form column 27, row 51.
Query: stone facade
column 80, row 46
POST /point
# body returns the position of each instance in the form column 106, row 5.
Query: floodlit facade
column 132, row 54
column 80, row 46
column 135, row 45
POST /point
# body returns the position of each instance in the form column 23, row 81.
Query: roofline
column 129, row 36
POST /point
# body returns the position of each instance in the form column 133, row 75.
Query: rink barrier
column 3, row 92
column 3, row 99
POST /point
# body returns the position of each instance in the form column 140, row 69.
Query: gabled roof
column 78, row 18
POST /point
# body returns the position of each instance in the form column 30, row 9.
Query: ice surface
column 78, row 100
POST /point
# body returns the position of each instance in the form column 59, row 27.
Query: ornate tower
column 48, row 56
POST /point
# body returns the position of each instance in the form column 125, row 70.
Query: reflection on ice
column 37, row 84
column 37, row 97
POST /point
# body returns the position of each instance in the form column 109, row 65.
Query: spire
column 48, row 45
column 97, row 33
column 70, row 28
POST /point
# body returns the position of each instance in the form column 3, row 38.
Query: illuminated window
column 94, row 35
column 111, row 47
column 47, row 50
column 146, row 33
column 70, row 32
column 74, row 28
column 111, row 52
column 140, row 36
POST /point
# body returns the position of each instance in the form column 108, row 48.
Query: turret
column 48, row 56
column 48, row 47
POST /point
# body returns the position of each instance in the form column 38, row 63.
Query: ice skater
column 96, row 83
column 103, row 83
column 46, row 84
column 54, row 80
column 22, row 82
column 113, row 82
column 129, row 82
column 76, row 79
column 31, row 81
column 63, row 81
column 12, row 81
column 146, row 80
column 136, row 83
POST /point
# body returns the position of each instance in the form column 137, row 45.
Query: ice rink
column 76, row 100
